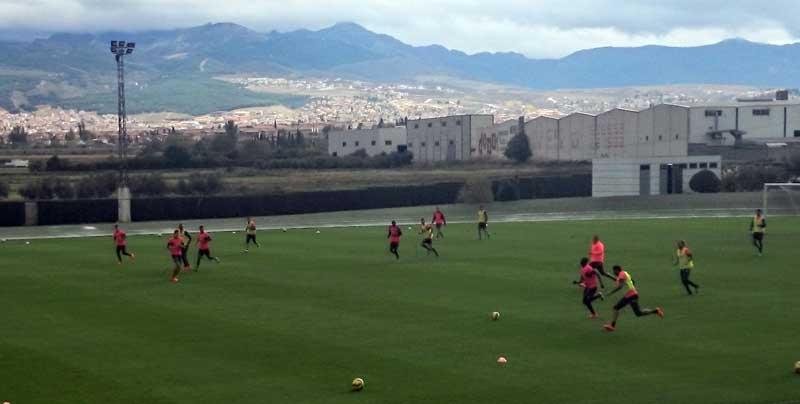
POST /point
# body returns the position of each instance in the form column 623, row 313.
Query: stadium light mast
column 120, row 49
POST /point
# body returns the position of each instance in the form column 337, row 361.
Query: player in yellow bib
column 684, row 260
column 427, row 242
column 758, row 227
column 483, row 222
column 631, row 298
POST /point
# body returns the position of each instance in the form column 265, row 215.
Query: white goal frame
column 779, row 185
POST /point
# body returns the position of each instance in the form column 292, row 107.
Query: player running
column 439, row 221
column 187, row 240
column 250, row 230
column 588, row 282
column 684, row 259
column 121, row 241
column 483, row 222
column 203, row 249
column 394, row 238
column 427, row 242
column 175, row 247
column 758, row 226
column 597, row 256
column 631, row 298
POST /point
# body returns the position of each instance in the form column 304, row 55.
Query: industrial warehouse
column 643, row 152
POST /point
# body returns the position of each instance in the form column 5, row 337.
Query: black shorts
column 427, row 241
column 438, row 226
column 589, row 293
column 598, row 266
column 626, row 301
column 251, row 237
column 204, row 253
column 122, row 249
column 394, row 246
column 481, row 225
column 177, row 259
column 758, row 236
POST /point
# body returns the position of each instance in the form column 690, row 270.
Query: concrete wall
column 621, row 177
column 616, row 133
column 373, row 141
column 492, row 141
column 701, row 124
column 782, row 122
column 576, row 135
column 543, row 137
column 446, row 138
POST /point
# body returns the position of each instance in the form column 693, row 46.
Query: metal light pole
column 120, row 49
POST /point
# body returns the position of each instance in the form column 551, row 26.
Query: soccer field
column 296, row 320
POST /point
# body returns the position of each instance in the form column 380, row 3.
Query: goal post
column 781, row 198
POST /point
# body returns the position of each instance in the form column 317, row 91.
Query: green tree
column 83, row 133
column 177, row 156
column 4, row 190
column 705, row 182
column 55, row 164
column 70, row 136
column 18, row 136
column 519, row 149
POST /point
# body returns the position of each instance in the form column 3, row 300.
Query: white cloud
column 537, row 28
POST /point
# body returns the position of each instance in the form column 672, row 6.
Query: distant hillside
column 66, row 69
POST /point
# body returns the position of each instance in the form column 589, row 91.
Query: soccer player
column 684, row 259
column 203, row 250
column 175, row 247
column 122, row 245
column 427, row 242
column 758, row 226
column 439, row 221
column 483, row 222
column 588, row 282
column 597, row 255
column 631, row 298
column 187, row 240
column 250, row 229
column 394, row 238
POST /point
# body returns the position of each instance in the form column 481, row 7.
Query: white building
column 447, row 138
column 759, row 121
column 493, row 140
column 649, row 176
column 374, row 141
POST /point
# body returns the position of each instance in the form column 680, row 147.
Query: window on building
column 344, row 144
column 436, row 143
column 677, row 136
column 797, row 133
column 416, row 126
column 660, row 138
column 644, row 167
column 713, row 112
column 388, row 142
column 422, row 144
column 335, row 154
column 693, row 166
column 761, row 112
column 356, row 144
column 458, row 122
column 374, row 142
column 452, row 142
column 713, row 165
column 682, row 166
column 430, row 124
column 444, row 123
column 647, row 138
column 410, row 145
column 703, row 165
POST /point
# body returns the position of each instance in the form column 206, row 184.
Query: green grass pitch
column 296, row 320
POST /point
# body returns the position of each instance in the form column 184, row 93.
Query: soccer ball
column 159, row 234
column 358, row 384
column 318, row 232
column 797, row 367
column 502, row 360
column 496, row 315
column 409, row 227
column 27, row 243
column 284, row 230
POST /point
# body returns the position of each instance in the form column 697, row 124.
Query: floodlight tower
column 120, row 49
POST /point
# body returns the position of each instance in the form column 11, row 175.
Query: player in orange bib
column 394, row 239
column 175, row 247
column 631, row 298
column 203, row 249
column 121, row 240
column 440, row 221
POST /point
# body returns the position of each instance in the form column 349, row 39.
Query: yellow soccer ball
column 495, row 316
column 358, row 384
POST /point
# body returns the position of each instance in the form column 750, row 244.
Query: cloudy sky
column 536, row 28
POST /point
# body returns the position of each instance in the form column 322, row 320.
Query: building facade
column 374, row 141
column 755, row 121
column 649, row 176
column 493, row 140
column 448, row 138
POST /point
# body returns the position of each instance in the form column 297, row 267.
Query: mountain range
column 65, row 69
